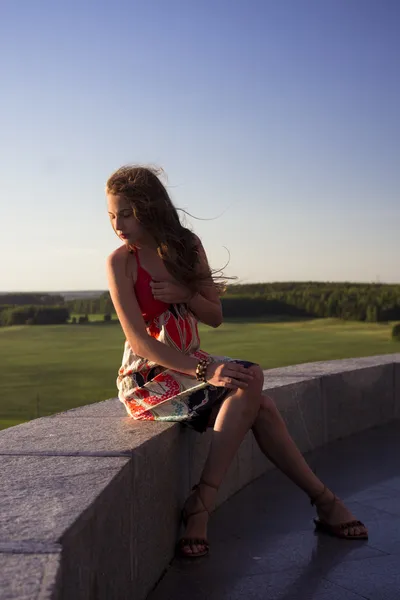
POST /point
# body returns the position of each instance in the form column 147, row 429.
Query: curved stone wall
column 90, row 499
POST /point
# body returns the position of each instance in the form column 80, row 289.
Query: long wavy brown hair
column 152, row 207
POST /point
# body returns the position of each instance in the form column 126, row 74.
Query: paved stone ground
column 263, row 544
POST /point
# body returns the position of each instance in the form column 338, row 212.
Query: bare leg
column 242, row 410
column 234, row 419
column 276, row 443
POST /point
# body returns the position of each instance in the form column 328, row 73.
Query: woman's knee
column 258, row 382
column 252, row 395
column 268, row 408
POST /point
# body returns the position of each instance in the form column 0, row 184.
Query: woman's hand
column 228, row 374
column 171, row 293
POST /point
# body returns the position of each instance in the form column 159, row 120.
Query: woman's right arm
column 127, row 308
column 225, row 374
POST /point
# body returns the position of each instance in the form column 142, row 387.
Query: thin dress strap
column 133, row 250
column 136, row 253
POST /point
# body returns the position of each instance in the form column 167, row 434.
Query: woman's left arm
column 205, row 304
column 207, row 310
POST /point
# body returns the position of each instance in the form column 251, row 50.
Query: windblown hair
column 152, row 207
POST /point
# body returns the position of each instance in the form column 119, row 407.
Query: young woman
column 161, row 286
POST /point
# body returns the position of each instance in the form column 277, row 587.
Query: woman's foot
column 335, row 518
column 195, row 515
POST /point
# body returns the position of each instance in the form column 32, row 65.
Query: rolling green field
column 46, row 369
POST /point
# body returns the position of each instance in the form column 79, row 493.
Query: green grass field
column 46, row 369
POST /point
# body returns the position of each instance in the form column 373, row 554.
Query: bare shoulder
column 123, row 295
column 117, row 257
column 200, row 250
column 199, row 246
column 197, row 239
column 121, row 265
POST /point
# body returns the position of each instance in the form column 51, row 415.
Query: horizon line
column 310, row 281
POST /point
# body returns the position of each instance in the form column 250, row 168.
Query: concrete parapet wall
column 90, row 499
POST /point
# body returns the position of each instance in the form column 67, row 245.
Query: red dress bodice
column 150, row 306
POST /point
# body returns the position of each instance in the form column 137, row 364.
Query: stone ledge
column 93, row 510
column 29, row 576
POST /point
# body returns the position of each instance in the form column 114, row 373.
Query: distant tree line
column 93, row 306
column 28, row 298
column 349, row 301
column 33, row 315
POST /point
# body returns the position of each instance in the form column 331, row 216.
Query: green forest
column 349, row 301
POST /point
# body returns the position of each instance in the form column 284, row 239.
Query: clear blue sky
column 280, row 118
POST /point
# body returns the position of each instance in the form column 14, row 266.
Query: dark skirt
column 215, row 396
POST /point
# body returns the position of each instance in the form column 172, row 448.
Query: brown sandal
column 337, row 530
column 194, row 541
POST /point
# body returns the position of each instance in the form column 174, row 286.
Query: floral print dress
column 151, row 392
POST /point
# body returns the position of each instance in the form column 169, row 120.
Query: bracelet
column 201, row 368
